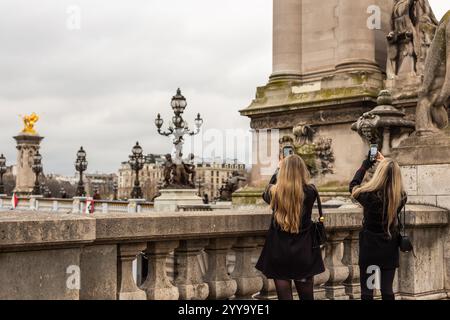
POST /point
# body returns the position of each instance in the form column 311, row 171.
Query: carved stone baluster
column 351, row 254
column 320, row 280
column 396, row 287
column 157, row 285
column 189, row 277
column 221, row 285
column 339, row 272
column 249, row 281
column 268, row 291
column 126, row 286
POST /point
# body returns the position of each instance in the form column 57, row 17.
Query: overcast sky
column 102, row 85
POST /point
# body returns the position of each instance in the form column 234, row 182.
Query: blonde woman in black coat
column 289, row 253
column 382, row 198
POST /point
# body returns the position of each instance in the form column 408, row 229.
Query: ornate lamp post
column 137, row 162
column 81, row 165
column 178, row 127
column 46, row 191
column 63, row 193
column 3, row 169
column 37, row 169
column 115, row 191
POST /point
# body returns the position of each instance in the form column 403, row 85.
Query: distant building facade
column 212, row 174
column 103, row 182
column 149, row 177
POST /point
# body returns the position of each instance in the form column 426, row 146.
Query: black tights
column 305, row 289
column 386, row 282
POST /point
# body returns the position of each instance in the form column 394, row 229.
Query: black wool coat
column 376, row 246
column 287, row 256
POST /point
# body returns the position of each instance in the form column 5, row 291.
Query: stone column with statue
column 425, row 155
column 28, row 144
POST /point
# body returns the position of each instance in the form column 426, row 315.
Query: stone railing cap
column 25, row 229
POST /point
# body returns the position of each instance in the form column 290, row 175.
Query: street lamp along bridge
column 178, row 174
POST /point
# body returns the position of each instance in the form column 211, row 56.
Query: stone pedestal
column 27, row 146
column 423, row 277
column 425, row 163
column 170, row 199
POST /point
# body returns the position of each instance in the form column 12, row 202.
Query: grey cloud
column 102, row 86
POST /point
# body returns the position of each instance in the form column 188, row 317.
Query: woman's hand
column 380, row 157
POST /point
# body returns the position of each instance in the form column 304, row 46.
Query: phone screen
column 287, row 152
column 373, row 152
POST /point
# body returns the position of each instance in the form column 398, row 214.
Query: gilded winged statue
column 29, row 122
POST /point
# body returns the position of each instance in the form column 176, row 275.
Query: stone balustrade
column 76, row 205
column 67, row 256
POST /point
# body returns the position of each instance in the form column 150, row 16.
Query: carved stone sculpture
column 189, row 167
column 325, row 155
column 413, row 25
column 303, row 133
column 231, row 186
column 434, row 95
column 168, row 169
column 179, row 176
column 318, row 155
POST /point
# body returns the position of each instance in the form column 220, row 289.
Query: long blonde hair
column 287, row 195
column 387, row 179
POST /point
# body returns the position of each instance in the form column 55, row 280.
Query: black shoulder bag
column 405, row 243
column 319, row 233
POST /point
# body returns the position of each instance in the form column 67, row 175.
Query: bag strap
column 402, row 224
column 404, row 220
column 319, row 202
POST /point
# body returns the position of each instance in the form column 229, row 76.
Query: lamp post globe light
column 137, row 161
column 178, row 127
column 81, row 165
column 3, row 169
column 37, row 169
